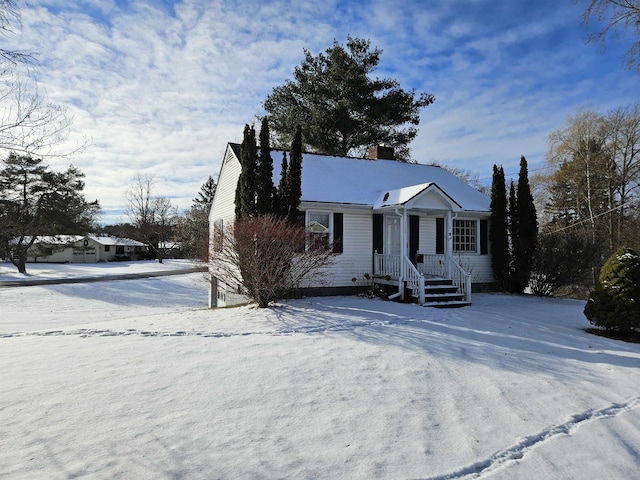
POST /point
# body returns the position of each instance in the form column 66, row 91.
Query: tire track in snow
column 84, row 332
column 519, row 450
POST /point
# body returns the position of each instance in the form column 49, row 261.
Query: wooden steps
column 442, row 293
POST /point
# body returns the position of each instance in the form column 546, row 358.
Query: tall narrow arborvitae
column 280, row 198
column 524, row 248
column 294, row 177
column 513, row 231
column 498, row 232
column 264, row 176
column 246, row 190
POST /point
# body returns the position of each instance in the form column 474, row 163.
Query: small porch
column 419, row 265
column 436, row 280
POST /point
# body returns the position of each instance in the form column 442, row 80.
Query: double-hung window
column 319, row 228
column 325, row 230
column 465, row 236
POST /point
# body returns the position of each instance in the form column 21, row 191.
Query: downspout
column 449, row 251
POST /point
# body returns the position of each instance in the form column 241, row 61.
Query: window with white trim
column 465, row 235
column 319, row 230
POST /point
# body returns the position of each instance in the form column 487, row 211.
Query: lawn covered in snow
column 138, row 379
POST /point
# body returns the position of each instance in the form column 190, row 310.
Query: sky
column 159, row 87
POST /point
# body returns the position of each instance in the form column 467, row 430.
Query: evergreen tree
column 524, row 244
column 513, row 231
column 294, row 177
column 246, row 191
column 342, row 109
column 280, row 198
column 35, row 200
column 498, row 233
column 204, row 200
column 264, row 177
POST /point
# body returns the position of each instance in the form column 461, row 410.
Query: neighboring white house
column 85, row 249
column 396, row 224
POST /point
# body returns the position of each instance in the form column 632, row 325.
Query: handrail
column 401, row 269
column 414, row 279
column 444, row 265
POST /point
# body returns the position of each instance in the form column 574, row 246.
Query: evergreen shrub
column 614, row 304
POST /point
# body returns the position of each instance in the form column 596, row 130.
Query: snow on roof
column 403, row 195
column 49, row 239
column 108, row 240
column 68, row 239
column 362, row 181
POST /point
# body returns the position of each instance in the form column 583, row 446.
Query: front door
column 392, row 235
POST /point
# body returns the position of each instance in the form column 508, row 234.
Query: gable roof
column 405, row 195
column 357, row 181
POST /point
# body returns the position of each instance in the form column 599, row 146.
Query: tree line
column 587, row 206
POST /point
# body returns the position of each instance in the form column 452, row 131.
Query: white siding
column 59, row 256
column 479, row 266
column 356, row 260
column 223, row 206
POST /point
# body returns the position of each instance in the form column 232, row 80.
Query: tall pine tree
column 525, row 242
column 498, row 233
column 264, row 177
column 246, row 191
column 280, row 198
column 205, row 196
column 513, row 229
column 294, row 177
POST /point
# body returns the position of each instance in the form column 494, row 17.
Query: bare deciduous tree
column 9, row 15
column 616, row 17
column 267, row 256
column 595, row 178
column 29, row 123
column 153, row 216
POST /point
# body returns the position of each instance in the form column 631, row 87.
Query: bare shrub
column 563, row 259
column 267, row 256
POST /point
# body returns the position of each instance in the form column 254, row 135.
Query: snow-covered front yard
column 137, row 379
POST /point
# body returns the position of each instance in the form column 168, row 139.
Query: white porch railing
column 393, row 267
column 442, row 265
column 386, row 265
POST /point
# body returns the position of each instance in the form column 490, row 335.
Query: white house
column 85, row 249
column 416, row 229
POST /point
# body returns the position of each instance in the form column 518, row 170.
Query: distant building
column 85, row 249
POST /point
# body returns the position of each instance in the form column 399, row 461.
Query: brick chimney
column 381, row 152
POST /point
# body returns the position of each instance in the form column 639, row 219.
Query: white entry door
column 392, row 234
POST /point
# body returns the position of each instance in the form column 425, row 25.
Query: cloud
column 161, row 87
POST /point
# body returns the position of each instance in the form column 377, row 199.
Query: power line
column 582, row 221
